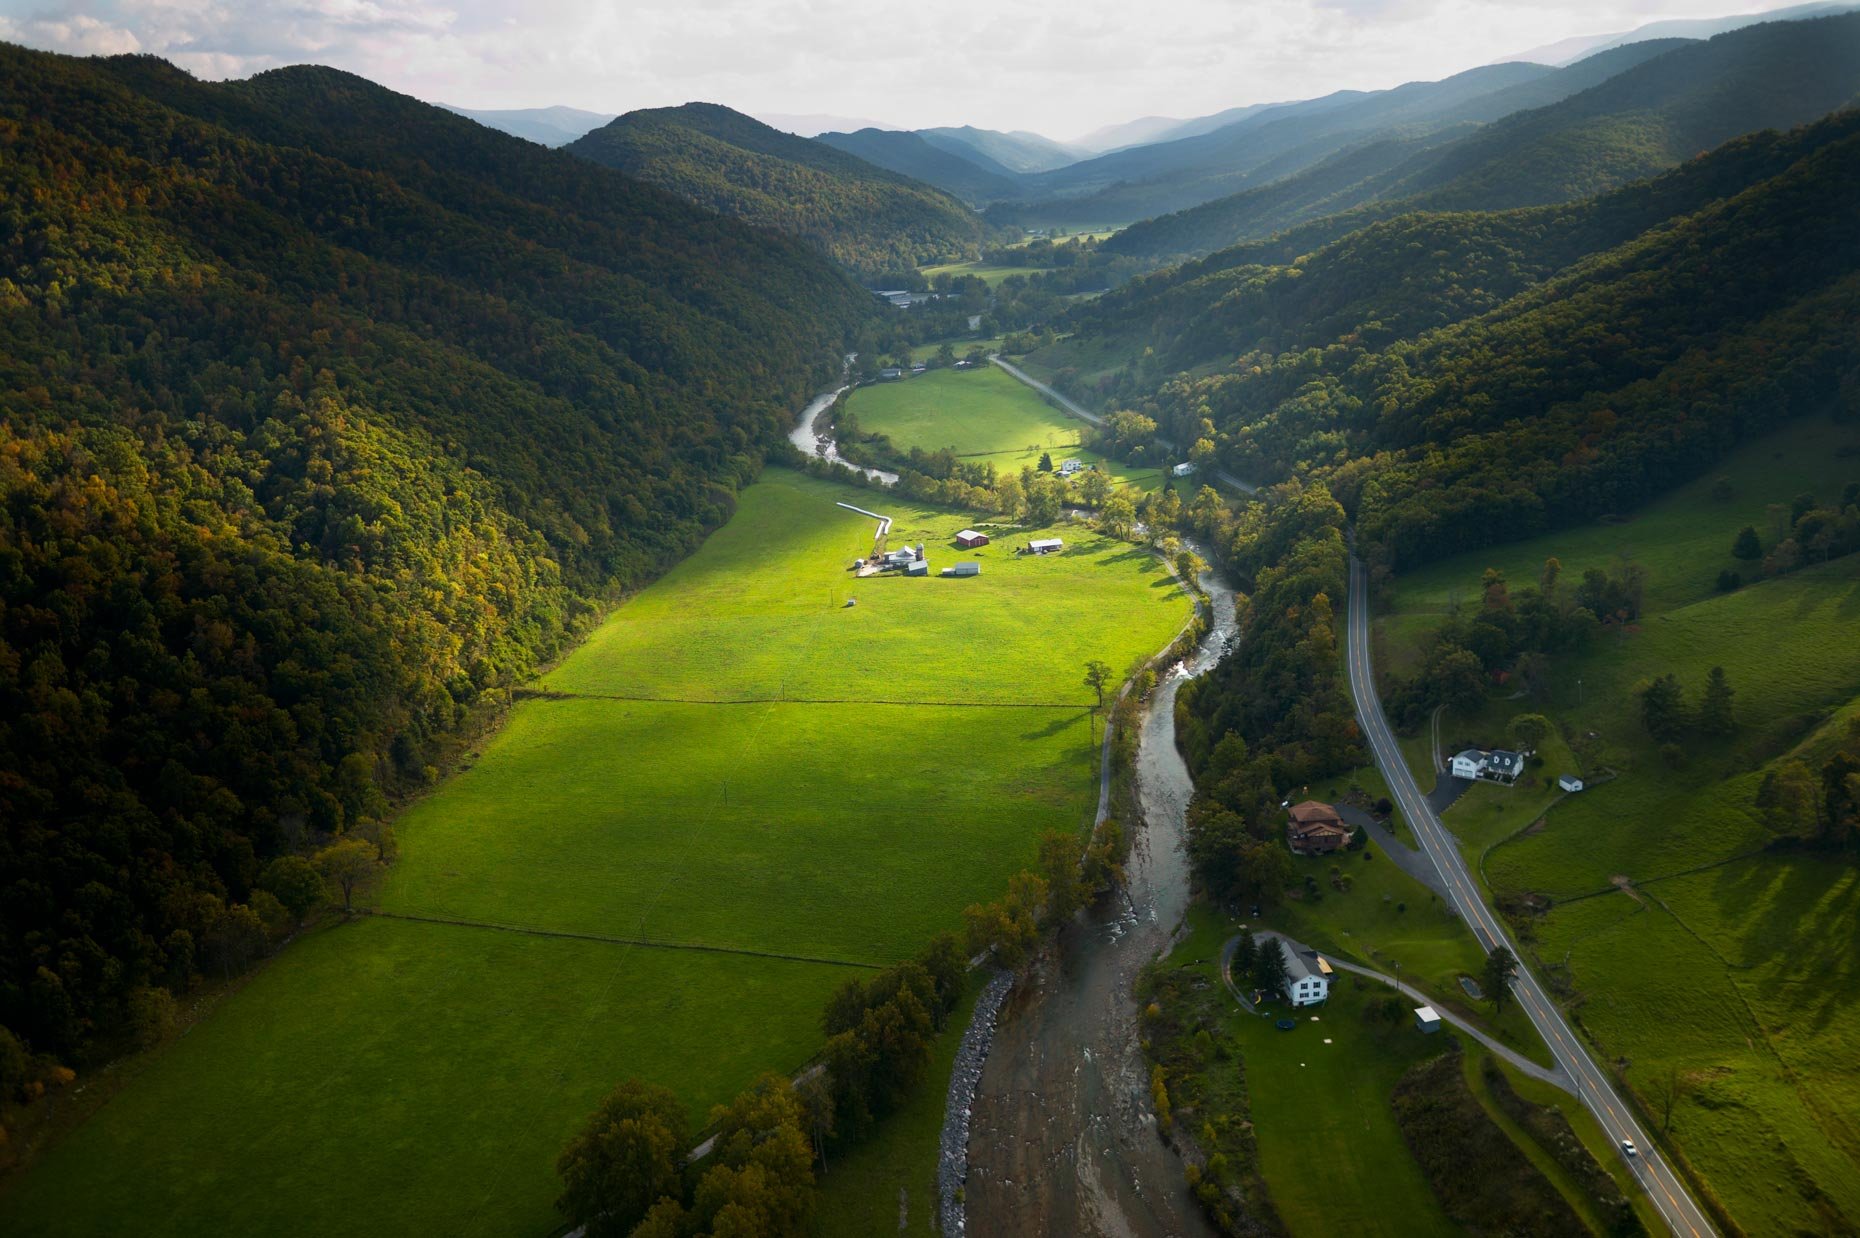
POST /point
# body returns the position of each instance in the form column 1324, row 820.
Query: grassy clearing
column 403, row 1077
column 861, row 1188
column 984, row 414
column 961, row 344
column 990, row 273
column 393, row 1077
column 1729, row 987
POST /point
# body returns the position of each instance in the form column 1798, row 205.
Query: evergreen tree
column 1748, row 546
column 1663, row 708
column 1715, row 716
column 1501, row 968
column 1269, row 973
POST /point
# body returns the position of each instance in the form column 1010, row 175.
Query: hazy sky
column 1061, row 67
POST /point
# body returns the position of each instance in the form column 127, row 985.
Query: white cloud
column 1059, row 68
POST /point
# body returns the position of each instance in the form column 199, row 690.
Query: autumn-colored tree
column 627, row 1158
column 1059, row 855
column 349, row 866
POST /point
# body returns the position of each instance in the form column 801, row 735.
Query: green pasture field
column 991, row 273
column 962, row 344
column 844, row 832
column 1683, row 539
column 984, row 414
column 419, row 1075
column 393, row 1077
column 1723, row 974
column 760, row 612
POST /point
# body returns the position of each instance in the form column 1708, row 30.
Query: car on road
column 1627, row 1146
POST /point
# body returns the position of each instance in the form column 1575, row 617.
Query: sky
column 1058, row 68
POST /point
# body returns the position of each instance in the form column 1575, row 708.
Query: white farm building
column 1307, row 976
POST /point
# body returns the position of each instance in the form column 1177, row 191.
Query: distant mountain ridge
column 969, row 175
column 1622, row 114
column 550, row 126
column 868, row 217
column 1571, row 50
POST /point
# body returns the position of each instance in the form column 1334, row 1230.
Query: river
column 1063, row 1139
column 813, row 439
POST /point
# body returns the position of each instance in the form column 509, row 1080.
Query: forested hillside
column 324, row 415
column 1623, row 114
column 911, row 154
column 871, row 219
column 1462, row 378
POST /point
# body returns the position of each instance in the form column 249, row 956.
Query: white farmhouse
column 1468, row 764
column 1307, row 977
column 1184, row 469
column 1497, row 765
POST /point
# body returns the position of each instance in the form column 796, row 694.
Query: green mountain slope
column 324, row 415
column 968, row 174
column 1264, row 146
column 868, row 217
column 1621, row 114
column 1015, row 152
column 1468, row 377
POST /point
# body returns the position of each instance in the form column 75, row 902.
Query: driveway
column 1554, row 1077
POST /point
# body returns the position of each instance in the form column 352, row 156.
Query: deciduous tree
column 627, row 1158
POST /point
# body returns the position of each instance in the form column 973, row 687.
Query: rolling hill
column 868, row 217
column 1616, row 116
column 1016, row 152
column 325, row 414
column 966, row 173
column 1464, row 377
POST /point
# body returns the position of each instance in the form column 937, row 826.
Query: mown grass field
column 406, row 1076
column 1723, row 971
column 392, row 1077
column 961, row 344
column 990, row 273
column 1315, row 1104
column 984, row 414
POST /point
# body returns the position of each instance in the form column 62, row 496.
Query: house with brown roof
column 1312, row 828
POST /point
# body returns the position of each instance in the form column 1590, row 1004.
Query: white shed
column 1045, row 545
column 1569, row 782
column 1427, row 1018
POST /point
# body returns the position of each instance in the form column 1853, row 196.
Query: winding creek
column 1061, row 1136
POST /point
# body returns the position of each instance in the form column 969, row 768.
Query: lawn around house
column 440, row 1066
column 1717, row 969
column 984, row 414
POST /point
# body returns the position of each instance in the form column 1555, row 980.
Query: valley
column 738, row 789
column 655, row 673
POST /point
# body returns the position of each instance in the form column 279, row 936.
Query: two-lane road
column 1662, row 1185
